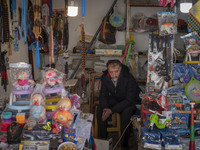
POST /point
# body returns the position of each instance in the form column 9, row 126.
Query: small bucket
column 7, row 116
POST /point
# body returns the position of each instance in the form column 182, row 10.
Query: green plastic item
column 116, row 20
column 154, row 119
column 192, row 89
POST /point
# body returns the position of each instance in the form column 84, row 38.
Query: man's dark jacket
column 126, row 92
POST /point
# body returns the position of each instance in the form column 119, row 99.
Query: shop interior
column 52, row 57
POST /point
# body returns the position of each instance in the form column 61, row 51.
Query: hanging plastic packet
column 167, row 22
column 191, row 43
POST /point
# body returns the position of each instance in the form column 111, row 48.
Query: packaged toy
column 22, row 85
column 21, row 76
column 170, row 139
column 192, row 47
column 167, row 22
column 52, row 81
column 151, row 139
column 37, row 111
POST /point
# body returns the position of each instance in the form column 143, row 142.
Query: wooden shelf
column 144, row 5
column 141, row 81
column 75, row 54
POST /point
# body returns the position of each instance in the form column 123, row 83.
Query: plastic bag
column 21, row 76
column 167, row 22
column 52, row 81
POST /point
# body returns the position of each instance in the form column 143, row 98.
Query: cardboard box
column 103, row 144
column 108, row 51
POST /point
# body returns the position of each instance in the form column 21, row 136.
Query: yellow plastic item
column 20, row 118
column 49, row 106
column 131, row 37
column 191, row 62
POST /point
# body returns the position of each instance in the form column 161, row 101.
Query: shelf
column 76, row 54
column 144, row 5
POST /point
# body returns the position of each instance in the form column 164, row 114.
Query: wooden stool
column 115, row 124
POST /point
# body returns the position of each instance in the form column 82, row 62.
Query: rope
column 23, row 22
column 83, row 60
column 121, row 136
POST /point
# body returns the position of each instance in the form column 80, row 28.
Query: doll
column 38, row 111
column 23, row 81
column 63, row 114
column 51, row 79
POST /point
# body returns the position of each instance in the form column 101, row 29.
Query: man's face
column 114, row 72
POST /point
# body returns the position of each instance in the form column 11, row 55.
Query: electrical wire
column 122, row 135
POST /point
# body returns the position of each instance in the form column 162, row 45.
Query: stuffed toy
column 63, row 114
column 23, row 81
column 51, row 79
column 38, row 110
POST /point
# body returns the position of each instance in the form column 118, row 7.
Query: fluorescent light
column 72, row 9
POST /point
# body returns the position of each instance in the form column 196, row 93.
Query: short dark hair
column 113, row 63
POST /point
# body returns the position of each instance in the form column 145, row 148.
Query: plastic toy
column 151, row 139
column 170, row 139
column 38, row 111
column 163, row 101
column 23, row 81
column 20, row 118
column 63, row 114
column 52, row 83
column 22, row 85
column 154, row 120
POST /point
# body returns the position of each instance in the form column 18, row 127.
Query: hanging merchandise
column 16, row 39
column 165, row 3
column 6, row 31
column 45, row 13
column 66, row 28
column 194, row 20
column 4, row 77
column 167, row 22
column 23, row 22
column 128, row 49
column 107, row 32
column 83, row 50
column 37, row 30
column 159, row 61
column 192, row 89
column 58, row 26
column 116, row 20
column 51, row 45
column 1, row 22
column 30, row 37
column 192, row 48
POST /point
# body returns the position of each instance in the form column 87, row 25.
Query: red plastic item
column 4, row 126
